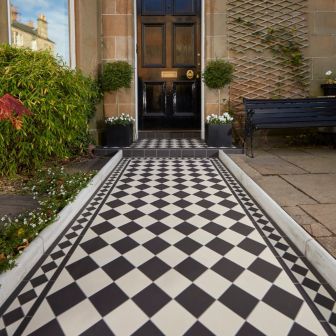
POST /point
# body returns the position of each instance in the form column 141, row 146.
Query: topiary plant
column 116, row 75
column 218, row 74
column 61, row 101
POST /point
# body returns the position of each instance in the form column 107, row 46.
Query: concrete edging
column 320, row 258
column 10, row 279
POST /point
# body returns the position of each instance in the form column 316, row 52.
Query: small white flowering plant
column 217, row 119
column 123, row 119
column 330, row 77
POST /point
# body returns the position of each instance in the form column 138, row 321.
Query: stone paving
column 303, row 183
column 171, row 246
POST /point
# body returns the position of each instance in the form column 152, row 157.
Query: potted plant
column 119, row 131
column 329, row 87
column 218, row 130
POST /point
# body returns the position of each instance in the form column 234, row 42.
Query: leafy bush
column 217, row 74
column 54, row 189
column 61, row 100
column 116, row 75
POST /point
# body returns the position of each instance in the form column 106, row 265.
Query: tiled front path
column 171, row 247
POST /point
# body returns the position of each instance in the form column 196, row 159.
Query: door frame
column 135, row 78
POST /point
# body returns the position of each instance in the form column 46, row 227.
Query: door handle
column 190, row 74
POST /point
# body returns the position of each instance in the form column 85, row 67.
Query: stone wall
column 118, row 44
column 322, row 41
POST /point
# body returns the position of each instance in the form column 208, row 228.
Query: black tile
column 163, row 153
column 283, row 301
column 184, row 214
column 130, row 228
column 332, row 319
column 199, row 330
column 234, row 215
column 13, row 316
column 248, row 330
column 301, row 270
column 241, row 228
column 190, row 268
column 81, row 267
column 208, row 214
column 108, row 299
column 156, row 245
column 98, row 329
column 158, row 228
column 134, row 214
column 71, row 235
column 124, row 245
column 65, row 298
column 27, row 296
column 159, row 214
column 227, row 269
column 324, row 301
column 175, row 153
column 154, row 268
column 228, row 204
column 111, row 213
column 103, row 227
column 311, row 284
column 186, row 228
column 57, row 255
column 188, row 246
column 160, row 203
column 213, row 228
column 64, row 244
column 150, row 153
column 115, row 203
column 51, row 328
column 148, row 329
column 117, row 268
column 137, row 203
column 202, row 153
column 265, row 270
column 93, row 245
column 220, row 246
column 48, row 267
column 151, row 299
column 252, row 246
column 241, row 302
column 195, row 300
column 39, row 280
column 138, row 153
column 188, row 153
column 298, row 330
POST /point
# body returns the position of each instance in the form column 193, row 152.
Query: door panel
column 169, row 64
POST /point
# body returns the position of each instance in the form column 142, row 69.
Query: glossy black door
column 169, row 60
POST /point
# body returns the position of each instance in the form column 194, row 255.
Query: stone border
column 11, row 279
column 320, row 258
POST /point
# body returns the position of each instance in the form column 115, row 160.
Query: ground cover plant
column 61, row 101
column 54, row 189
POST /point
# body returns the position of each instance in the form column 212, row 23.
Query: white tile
column 240, row 257
column 172, row 236
column 171, row 221
column 173, row 319
column 142, row 236
column 138, row 256
column 145, row 220
column 221, row 320
column 105, row 255
column 173, row 283
column 201, row 236
column 172, row 256
column 147, row 209
column 133, row 282
column 231, row 237
column 79, row 318
column 113, row 236
column 126, row 319
column 198, row 221
column 206, row 256
column 212, row 283
column 63, row 280
column 123, row 209
column 94, row 282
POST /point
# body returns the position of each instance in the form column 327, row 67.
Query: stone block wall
column 117, row 43
column 321, row 17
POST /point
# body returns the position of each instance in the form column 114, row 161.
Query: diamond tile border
column 169, row 143
column 40, row 277
column 319, row 295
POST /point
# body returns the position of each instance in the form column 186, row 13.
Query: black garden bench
column 287, row 113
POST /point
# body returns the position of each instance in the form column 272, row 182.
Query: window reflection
column 41, row 25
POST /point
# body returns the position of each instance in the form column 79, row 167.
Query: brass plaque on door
column 168, row 74
column 190, row 74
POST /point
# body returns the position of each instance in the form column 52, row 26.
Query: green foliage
column 54, row 189
column 61, row 99
column 218, row 73
column 116, row 75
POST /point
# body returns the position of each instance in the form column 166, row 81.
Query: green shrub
column 61, row 99
column 217, row 74
column 116, row 75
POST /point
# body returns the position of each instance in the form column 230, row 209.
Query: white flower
column 328, row 73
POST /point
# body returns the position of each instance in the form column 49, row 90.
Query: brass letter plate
column 168, row 74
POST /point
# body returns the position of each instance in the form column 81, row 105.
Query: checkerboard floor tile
column 171, row 247
column 169, row 143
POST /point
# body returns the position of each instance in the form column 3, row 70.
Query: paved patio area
column 171, row 246
column 303, row 183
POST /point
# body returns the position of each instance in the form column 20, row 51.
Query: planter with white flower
column 119, row 131
column 329, row 87
column 218, row 130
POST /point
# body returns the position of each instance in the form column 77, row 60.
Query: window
column 40, row 25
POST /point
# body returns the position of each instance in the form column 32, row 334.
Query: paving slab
column 312, row 164
column 283, row 192
column 329, row 243
column 320, row 187
column 323, row 213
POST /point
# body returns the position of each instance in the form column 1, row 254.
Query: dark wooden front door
column 169, row 64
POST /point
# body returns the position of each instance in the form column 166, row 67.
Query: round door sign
column 190, row 74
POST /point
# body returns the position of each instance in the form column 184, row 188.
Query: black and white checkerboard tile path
column 170, row 249
column 169, row 143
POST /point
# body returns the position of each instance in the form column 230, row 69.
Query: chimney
column 42, row 26
column 14, row 14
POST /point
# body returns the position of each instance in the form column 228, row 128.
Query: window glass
column 41, row 24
